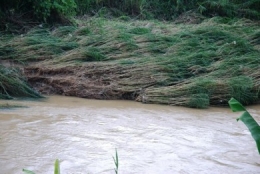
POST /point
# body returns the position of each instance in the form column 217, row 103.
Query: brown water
column 151, row 139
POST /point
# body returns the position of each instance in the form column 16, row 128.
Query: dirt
column 92, row 80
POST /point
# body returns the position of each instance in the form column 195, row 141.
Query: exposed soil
column 92, row 80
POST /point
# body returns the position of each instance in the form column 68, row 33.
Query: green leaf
column 253, row 127
column 116, row 163
column 57, row 167
column 28, row 171
column 64, row 2
column 248, row 120
column 235, row 105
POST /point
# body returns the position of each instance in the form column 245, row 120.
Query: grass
column 116, row 161
column 151, row 61
column 13, row 85
column 57, row 166
column 8, row 106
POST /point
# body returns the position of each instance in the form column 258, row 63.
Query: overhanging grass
column 13, row 85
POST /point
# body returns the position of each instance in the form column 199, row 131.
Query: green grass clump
column 242, row 89
column 139, row 31
column 64, row 31
column 93, row 54
column 13, row 85
column 83, row 31
column 199, row 101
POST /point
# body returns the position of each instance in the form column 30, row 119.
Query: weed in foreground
column 57, row 166
column 116, row 161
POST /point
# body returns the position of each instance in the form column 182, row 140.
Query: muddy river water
column 150, row 139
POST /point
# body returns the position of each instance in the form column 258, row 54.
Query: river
column 150, row 139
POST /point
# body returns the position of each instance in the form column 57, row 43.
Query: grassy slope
column 154, row 62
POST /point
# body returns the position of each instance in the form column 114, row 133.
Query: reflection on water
column 83, row 134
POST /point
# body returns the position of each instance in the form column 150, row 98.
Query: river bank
column 195, row 63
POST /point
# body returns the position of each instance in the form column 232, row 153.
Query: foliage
column 116, row 162
column 199, row 101
column 247, row 119
column 54, row 10
column 93, row 54
column 56, row 168
column 139, row 31
column 166, row 9
column 28, row 171
column 13, row 85
column 42, row 10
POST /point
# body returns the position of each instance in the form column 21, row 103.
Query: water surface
column 151, row 139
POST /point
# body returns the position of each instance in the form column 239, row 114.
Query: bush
column 43, row 10
column 60, row 10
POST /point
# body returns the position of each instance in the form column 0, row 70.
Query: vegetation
column 42, row 10
column 247, row 119
column 168, row 9
column 193, row 61
column 161, row 8
column 56, row 168
column 194, row 65
column 8, row 106
column 116, row 162
column 51, row 11
column 13, row 85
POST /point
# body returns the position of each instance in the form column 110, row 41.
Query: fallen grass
column 150, row 61
column 13, row 85
column 10, row 106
